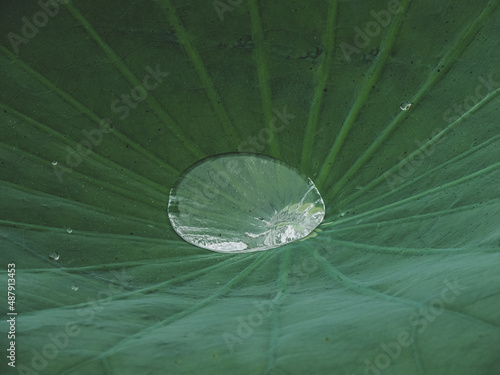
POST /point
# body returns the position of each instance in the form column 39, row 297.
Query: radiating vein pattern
column 357, row 142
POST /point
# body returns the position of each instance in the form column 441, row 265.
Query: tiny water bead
column 404, row 106
column 69, row 230
column 236, row 203
column 74, row 287
column 54, row 256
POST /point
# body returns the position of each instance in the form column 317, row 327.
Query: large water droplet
column 237, row 203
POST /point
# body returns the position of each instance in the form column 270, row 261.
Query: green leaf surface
column 391, row 108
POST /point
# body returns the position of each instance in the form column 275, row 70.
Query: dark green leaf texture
column 400, row 278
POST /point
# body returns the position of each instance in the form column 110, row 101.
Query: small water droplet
column 74, row 287
column 54, row 162
column 69, row 230
column 405, row 106
column 54, row 256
